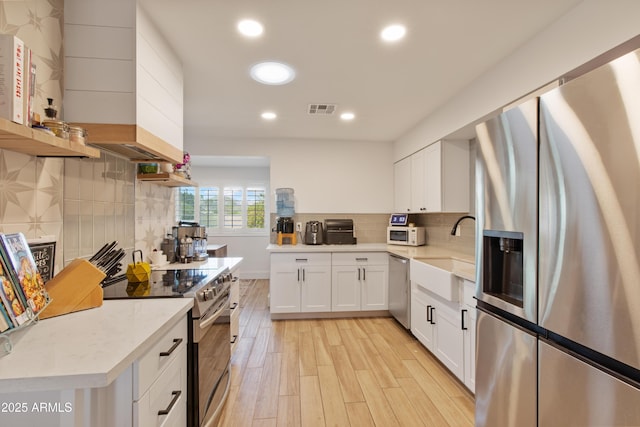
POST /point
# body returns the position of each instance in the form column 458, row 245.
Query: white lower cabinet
column 447, row 328
column 150, row 392
column 359, row 281
column 469, row 318
column 160, row 381
column 436, row 324
column 300, row 282
column 322, row 282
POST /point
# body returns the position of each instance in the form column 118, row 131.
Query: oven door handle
column 205, row 323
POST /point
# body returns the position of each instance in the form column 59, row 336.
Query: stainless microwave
column 408, row 236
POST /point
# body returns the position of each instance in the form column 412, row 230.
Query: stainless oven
column 210, row 354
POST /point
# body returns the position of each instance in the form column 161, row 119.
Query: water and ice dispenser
column 503, row 265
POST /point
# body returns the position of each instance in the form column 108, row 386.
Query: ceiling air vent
column 322, row 109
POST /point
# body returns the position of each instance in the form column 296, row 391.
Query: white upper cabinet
column 402, row 185
column 434, row 179
column 122, row 80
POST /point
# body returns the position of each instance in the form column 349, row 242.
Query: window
column 231, row 209
column 185, row 206
column 208, row 207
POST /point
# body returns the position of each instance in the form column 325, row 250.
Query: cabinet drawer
column 148, row 367
column 302, row 258
column 353, row 258
column 167, row 393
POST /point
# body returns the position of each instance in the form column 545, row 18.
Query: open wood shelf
column 166, row 179
column 23, row 139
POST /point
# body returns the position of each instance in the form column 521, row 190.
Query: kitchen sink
column 441, row 275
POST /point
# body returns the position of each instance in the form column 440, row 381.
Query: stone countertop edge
column 89, row 348
column 409, row 252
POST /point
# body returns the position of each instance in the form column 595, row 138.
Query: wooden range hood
column 131, row 141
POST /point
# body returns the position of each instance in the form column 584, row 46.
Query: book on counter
column 14, row 308
column 23, row 271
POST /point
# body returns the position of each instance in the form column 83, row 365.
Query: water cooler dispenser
column 285, row 207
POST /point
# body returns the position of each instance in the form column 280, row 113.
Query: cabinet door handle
column 302, row 259
column 429, row 313
column 298, row 275
column 176, row 343
column 233, row 307
column 362, row 259
column 176, row 395
column 464, row 311
column 358, row 273
column 234, row 339
column 433, row 320
column 364, row 273
column 304, row 271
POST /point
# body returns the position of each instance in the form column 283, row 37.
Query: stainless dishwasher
column 400, row 290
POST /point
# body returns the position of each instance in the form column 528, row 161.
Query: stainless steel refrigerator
column 559, row 291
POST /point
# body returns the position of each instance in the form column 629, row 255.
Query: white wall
column 327, row 176
column 590, row 29
column 252, row 248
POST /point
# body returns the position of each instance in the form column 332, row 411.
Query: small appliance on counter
column 401, row 232
column 285, row 207
column 191, row 242
column 286, row 229
column 314, row 233
column 339, row 232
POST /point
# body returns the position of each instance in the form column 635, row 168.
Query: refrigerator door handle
column 463, row 312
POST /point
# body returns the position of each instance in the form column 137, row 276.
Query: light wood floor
column 338, row 372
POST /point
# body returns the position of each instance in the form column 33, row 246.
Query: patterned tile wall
column 31, row 197
column 154, row 215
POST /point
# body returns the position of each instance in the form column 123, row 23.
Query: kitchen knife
column 98, row 254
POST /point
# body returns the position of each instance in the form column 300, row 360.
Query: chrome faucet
column 455, row 226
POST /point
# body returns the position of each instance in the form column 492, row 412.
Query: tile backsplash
column 99, row 205
column 372, row 228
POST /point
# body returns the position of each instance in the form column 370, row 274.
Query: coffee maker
column 285, row 228
column 191, row 242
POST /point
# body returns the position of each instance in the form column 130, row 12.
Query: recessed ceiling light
column 250, row 28
column 347, row 116
column 393, row 33
column 272, row 73
column 269, row 115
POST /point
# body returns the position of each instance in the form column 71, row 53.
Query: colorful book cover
column 12, row 303
column 5, row 322
column 24, row 270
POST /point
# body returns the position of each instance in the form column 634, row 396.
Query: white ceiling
column 335, row 48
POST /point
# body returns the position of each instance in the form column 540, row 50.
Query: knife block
column 76, row 287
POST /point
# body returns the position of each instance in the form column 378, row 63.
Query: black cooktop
column 162, row 283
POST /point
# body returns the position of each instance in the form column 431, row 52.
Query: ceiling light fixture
column 269, row 115
column 347, row 116
column 272, row 73
column 250, row 28
column 393, row 33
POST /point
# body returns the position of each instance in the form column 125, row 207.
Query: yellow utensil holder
column 138, row 271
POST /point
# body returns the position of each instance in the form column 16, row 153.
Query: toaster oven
column 405, row 235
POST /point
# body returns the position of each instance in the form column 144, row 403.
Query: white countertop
column 210, row 263
column 409, row 252
column 89, row 348
column 300, row 247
